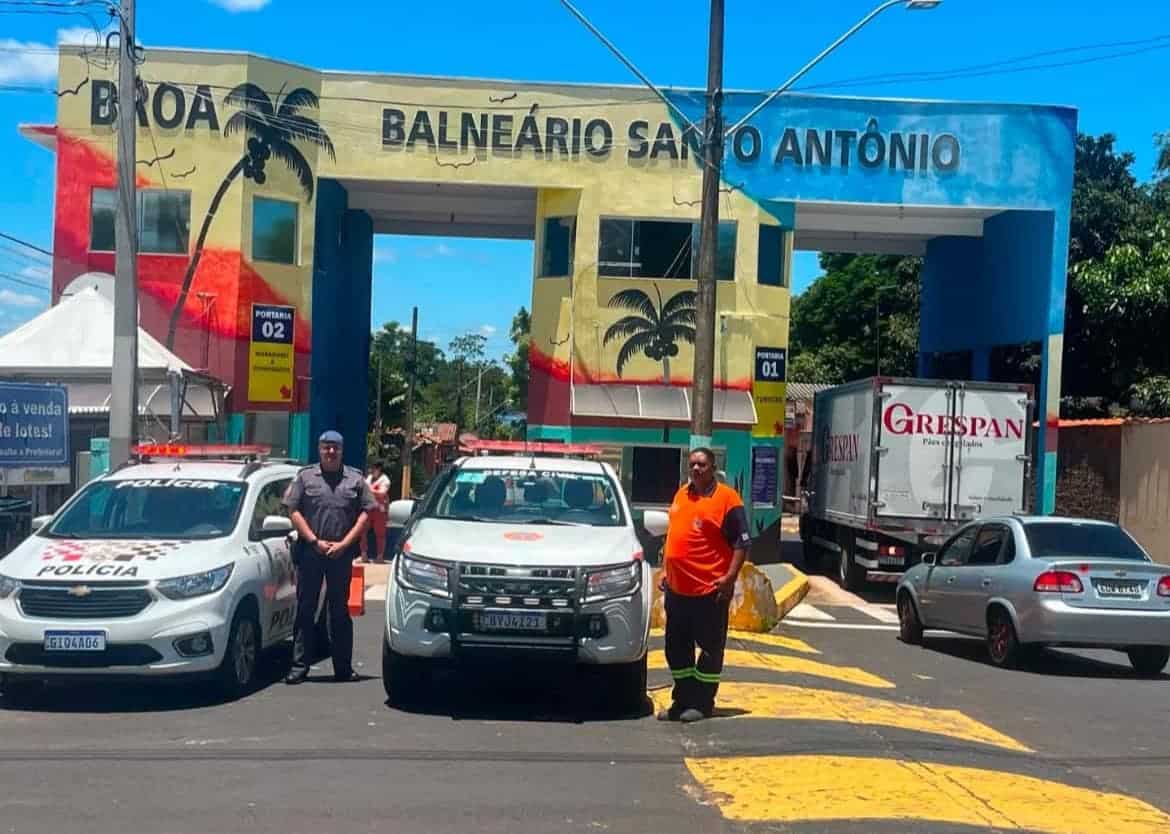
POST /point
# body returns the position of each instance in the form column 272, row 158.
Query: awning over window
column 658, row 403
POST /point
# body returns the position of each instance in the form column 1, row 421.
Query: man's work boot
column 296, row 676
column 671, row 714
column 690, row 716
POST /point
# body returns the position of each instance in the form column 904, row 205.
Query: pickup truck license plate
column 511, row 621
column 75, row 641
column 1119, row 589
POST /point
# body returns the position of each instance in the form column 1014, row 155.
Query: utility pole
column 478, row 390
column 124, row 372
column 408, row 439
column 702, row 400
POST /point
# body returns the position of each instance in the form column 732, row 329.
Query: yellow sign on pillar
column 768, row 388
column 270, row 354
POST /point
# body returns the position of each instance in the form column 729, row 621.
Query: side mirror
column 656, row 522
column 275, row 526
column 40, row 521
column 928, row 558
column 400, row 511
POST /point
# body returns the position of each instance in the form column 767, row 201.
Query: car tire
column 910, row 626
column 241, row 657
column 1003, row 644
column 402, row 677
column 628, row 686
column 1148, row 661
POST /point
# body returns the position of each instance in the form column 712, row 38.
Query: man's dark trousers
column 690, row 622
column 312, row 570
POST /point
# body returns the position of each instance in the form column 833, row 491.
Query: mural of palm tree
column 655, row 329
column 272, row 129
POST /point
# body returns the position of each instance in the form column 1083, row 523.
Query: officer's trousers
column 312, row 570
column 695, row 622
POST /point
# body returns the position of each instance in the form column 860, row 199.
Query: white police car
column 178, row 562
column 520, row 558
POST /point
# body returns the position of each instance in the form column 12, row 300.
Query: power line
column 17, row 280
column 27, row 245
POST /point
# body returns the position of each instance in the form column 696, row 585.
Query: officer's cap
column 331, row 437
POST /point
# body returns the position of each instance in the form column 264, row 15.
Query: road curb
column 792, row 592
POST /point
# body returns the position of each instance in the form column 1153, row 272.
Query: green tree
column 521, row 334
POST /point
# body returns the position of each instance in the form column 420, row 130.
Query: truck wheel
column 628, row 686
column 1148, row 661
column 850, row 575
column 402, row 677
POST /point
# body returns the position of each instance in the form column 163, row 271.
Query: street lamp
column 912, row 5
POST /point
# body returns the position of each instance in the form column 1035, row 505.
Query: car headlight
column 608, row 583
column 421, row 575
column 195, row 584
column 8, row 586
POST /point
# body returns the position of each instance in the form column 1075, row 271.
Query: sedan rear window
column 1056, row 540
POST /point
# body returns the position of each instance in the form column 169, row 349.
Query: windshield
column 1054, row 540
column 156, row 508
column 520, row 497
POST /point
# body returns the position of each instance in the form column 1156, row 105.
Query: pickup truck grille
column 506, row 586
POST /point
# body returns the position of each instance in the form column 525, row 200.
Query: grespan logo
column 839, row 448
column 901, row 419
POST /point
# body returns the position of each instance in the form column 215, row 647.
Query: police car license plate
column 75, row 641
column 511, row 621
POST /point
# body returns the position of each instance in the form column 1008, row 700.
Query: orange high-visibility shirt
column 703, row 533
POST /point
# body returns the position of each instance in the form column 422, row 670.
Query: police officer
column 329, row 505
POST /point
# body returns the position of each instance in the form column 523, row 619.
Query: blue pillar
column 981, row 364
column 354, row 310
column 328, row 280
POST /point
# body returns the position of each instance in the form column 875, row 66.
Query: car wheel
column 909, row 625
column 402, row 677
column 1148, row 661
column 237, row 671
column 628, row 686
column 1003, row 645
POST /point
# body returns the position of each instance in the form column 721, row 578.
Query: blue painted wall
column 342, row 267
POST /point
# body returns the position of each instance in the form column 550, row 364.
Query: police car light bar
column 223, row 451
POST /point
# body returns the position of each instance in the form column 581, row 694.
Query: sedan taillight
column 1164, row 586
column 1058, row 582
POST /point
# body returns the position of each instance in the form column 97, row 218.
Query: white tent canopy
column 73, row 343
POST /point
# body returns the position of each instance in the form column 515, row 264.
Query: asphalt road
column 828, row 725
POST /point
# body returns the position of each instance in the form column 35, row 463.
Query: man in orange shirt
column 706, row 545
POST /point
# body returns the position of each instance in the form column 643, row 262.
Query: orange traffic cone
column 357, row 591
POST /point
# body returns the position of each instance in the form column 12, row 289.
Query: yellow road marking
column 770, row 700
column 773, row 640
column 794, row 665
column 820, row 788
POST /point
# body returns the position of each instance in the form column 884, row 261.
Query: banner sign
column 765, row 475
column 34, row 426
column 768, row 387
column 270, row 354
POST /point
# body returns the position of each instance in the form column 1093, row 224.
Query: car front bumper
column 412, row 629
column 1055, row 622
column 139, row 646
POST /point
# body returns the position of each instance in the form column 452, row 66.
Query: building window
column 655, row 474
column 268, row 428
column 660, row 249
column 772, row 267
column 560, row 236
column 274, row 231
column 164, row 221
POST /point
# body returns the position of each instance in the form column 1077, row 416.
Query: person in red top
column 380, row 486
column 706, row 545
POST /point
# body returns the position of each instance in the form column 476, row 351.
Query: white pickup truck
column 520, row 559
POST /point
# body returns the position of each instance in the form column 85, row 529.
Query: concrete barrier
column 753, row 608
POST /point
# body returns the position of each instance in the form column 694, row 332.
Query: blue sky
column 464, row 285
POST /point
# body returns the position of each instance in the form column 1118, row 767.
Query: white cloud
column 85, row 36
column 20, row 299
column 39, row 274
column 487, row 331
column 26, row 63
column 242, row 5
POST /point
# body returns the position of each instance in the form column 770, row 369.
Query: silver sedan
column 1023, row 583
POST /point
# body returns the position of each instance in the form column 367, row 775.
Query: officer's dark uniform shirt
column 330, row 502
